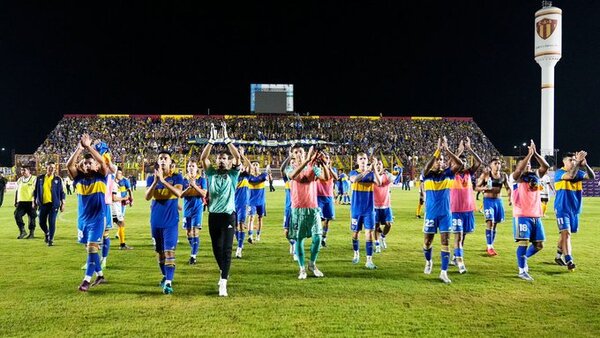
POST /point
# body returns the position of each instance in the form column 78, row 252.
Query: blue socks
column 488, row 237
column 195, row 245
column 568, row 258
column 369, row 247
column 355, row 244
column 521, row 256
column 241, row 237
column 445, row 253
column 458, row 252
column 427, row 252
column 93, row 263
column 105, row 247
column 532, row 250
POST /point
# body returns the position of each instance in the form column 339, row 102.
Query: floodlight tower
column 548, row 49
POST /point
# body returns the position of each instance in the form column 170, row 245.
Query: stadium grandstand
column 135, row 139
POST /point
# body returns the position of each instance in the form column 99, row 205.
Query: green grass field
column 40, row 297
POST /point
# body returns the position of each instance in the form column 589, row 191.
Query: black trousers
column 221, row 228
column 25, row 208
column 1, row 197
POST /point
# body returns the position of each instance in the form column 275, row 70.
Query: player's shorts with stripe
column 383, row 215
column 567, row 221
column 193, row 221
column 91, row 232
column 242, row 213
column 463, row 222
column 442, row 223
column 326, row 206
column 287, row 218
column 108, row 218
column 165, row 238
column 528, row 228
column 493, row 209
column 258, row 210
column 366, row 221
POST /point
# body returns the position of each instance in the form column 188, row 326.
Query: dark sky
column 462, row 58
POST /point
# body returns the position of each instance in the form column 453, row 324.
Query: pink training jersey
column 325, row 188
column 304, row 189
column 461, row 194
column 110, row 181
column 526, row 199
column 381, row 193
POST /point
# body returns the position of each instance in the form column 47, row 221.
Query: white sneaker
column 295, row 258
column 461, row 267
column 370, row 265
column 356, row 258
column 444, row 277
column 313, row 268
column 238, row 253
column 383, row 243
column 378, row 249
column 291, row 249
column 223, row 288
column 428, row 267
column 302, row 274
column 258, row 238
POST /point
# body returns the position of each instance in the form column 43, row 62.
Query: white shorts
column 117, row 212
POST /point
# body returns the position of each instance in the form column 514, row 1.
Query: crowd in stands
column 137, row 138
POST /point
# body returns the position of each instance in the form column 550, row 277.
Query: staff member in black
column 49, row 195
column 24, row 203
column 2, row 188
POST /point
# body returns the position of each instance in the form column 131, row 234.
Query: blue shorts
column 241, row 213
column 383, row 215
column 443, row 223
column 340, row 190
column 493, row 208
column 165, row 238
column 91, row 232
column 258, row 210
column 192, row 222
column 366, row 220
column 567, row 221
column 326, row 206
column 463, row 222
column 108, row 218
column 528, row 228
column 287, row 217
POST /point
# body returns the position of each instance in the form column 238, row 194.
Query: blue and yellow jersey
column 124, row 185
column 362, row 195
column 257, row 189
column 568, row 192
column 193, row 205
column 163, row 210
column 288, row 196
column 91, row 190
column 437, row 193
column 242, row 191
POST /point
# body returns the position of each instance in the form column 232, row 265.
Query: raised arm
column 589, row 172
column 232, row 149
column 204, row 161
column 522, row 164
column 72, row 162
column 86, row 142
column 456, row 163
column 376, row 175
column 477, row 161
column 294, row 174
column 433, row 158
column 542, row 162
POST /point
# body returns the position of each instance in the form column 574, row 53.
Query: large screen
column 272, row 98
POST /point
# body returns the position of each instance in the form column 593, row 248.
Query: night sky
column 429, row 58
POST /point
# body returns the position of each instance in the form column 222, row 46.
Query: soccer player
column 421, row 197
column 362, row 209
column 287, row 212
column 164, row 188
column 438, row 179
column 383, row 208
column 545, row 194
column 325, row 197
column 343, row 187
column 104, row 151
column 24, row 203
column 462, row 202
column 242, row 195
column 49, row 195
column 256, row 185
column 568, row 202
column 222, row 181
column 90, row 183
column 126, row 198
column 194, row 192
column 527, row 209
column 305, row 221
column 490, row 183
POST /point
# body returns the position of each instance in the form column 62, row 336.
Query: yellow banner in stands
column 228, row 117
column 425, row 118
column 312, row 117
column 105, row 116
column 374, row 118
column 176, row 117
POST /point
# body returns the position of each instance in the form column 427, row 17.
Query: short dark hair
column 87, row 156
column 224, row 152
column 50, row 162
column 192, row 160
column 164, row 152
column 568, row 154
column 495, row 159
column 119, row 169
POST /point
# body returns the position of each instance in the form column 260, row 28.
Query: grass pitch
column 40, row 297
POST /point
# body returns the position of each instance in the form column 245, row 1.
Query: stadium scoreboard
column 271, row 98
